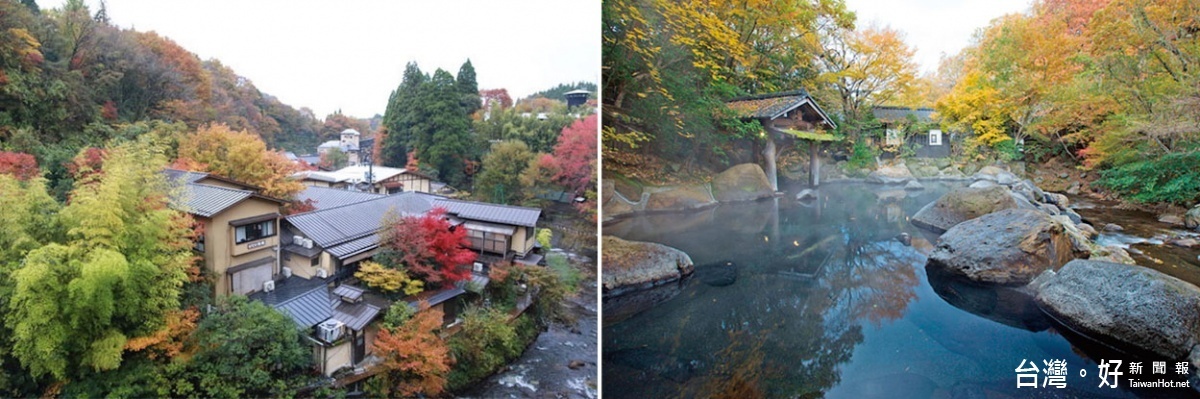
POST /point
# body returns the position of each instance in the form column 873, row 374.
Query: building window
column 255, row 231
column 491, row 242
column 892, row 137
column 200, row 243
column 935, row 137
column 316, row 261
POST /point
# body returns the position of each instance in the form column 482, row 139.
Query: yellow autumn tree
column 239, row 155
column 868, row 66
column 388, row 279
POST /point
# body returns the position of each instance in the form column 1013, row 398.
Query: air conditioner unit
column 307, row 243
column 269, row 286
column 322, row 273
column 287, row 272
column 297, row 240
column 478, row 267
column 329, row 330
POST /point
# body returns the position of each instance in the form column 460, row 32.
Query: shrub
column 486, row 342
column 1172, row 178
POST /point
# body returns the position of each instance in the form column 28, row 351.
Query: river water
column 544, row 371
column 831, row 298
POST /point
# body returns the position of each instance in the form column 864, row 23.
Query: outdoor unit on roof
column 321, row 273
column 287, row 272
column 297, row 240
column 307, row 243
column 269, row 286
column 329, row 330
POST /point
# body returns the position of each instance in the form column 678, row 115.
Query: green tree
column 334, row 159
column 468, row 87
column 485, row 342
column 119, row 270
column 247, row 349
column 500, row 181
column 441, row 138
column 402, row 116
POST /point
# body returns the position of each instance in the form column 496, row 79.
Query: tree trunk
column 814, row 164
column 769, row 153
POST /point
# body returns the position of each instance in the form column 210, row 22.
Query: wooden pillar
column 814, row 164
column 769, row 154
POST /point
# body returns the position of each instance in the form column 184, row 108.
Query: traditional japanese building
column 239, row 239
column 787, row 117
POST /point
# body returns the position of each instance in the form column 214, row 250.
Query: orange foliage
column 172, row 341
column 415, row 360
column 498, row 272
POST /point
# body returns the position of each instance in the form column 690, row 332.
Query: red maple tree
column 575, row 154
column 87, row 162
column 21, row 165
column 428, row 247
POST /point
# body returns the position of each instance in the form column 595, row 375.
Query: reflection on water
column 828, row 298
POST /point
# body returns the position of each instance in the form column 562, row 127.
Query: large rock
column 995, row 174
column 923, row 170
column 679, row 198
column 891, row 174
column 632, row 265
column 1171, row 218
column 743, row 182
column 962, row 204
column 1126, row 305
column 1027, row 189
column 1057, row 199
column 1009, row 247
column 1191, row 219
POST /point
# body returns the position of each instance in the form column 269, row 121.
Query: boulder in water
column 679, row 198
column 743, row 182
column 631, row 265
column 891, row 174
column 982, row 184
column 914, row 185
column 1127, row 305
column 962, row 204
column 1191, row 219
column 1009, row 247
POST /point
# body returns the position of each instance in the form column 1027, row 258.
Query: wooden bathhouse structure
column 932, row 143
column 786, row 117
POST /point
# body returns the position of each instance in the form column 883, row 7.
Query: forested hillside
column 1110, row 85
column 69, row 79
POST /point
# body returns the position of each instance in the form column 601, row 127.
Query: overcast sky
column 350, row 55
column 935, row 27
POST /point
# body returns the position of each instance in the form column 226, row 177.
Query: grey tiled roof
column 204, row 200
column 306, row 301
column 774, row 105
column 302, row 251
column 324, row 197
column 892, row 114
column 506, row 214
column 333, row 226
column 435, row 298
column 356, row 316
column 354, row 247
column 349, row 292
